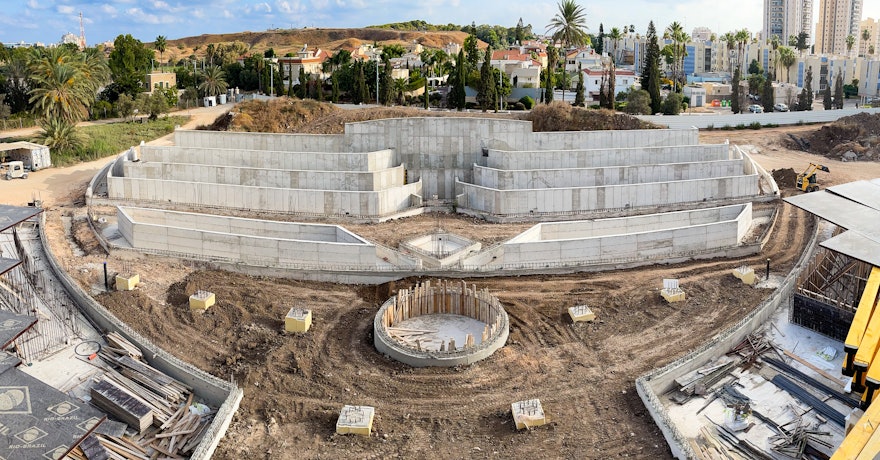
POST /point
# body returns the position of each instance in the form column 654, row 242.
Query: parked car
column 755, row 108
column 780, row 107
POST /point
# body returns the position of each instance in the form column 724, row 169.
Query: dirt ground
column 584, row 374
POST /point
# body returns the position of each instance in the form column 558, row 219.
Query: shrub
column 672, row 104
column 527, row 102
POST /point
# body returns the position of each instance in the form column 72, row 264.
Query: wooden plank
column 811, row 366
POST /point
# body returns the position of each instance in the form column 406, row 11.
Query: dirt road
column 51, row 184
column 584, row 374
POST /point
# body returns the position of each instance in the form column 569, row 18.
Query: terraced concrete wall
column 250, row 241
column 277, row 178
column 260, row 141
column 271, row 159
column 614, row 175
column 296, row 201
column 585, row 199
column 604, row 157
column 630, row 237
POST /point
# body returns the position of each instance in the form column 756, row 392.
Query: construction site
column 396, row 291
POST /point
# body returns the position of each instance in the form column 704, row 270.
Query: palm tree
column 676, row 33
column 570, row 24
column 65, row 83
column 59, row 135
column 742, row 37
column 614, row 38
column 850, row 41
column 160, row 44
column 730, row 39
column 866, row 35
column 399, row 85
column 787, row 58
column 214, row 82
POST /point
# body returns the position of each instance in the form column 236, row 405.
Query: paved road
column 51, row 185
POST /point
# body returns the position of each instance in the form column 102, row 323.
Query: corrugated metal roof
column 19, row 145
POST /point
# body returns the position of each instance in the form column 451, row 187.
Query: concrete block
column 127, row 282
column 355, row 420
column 298, row 320
column 581, row 313
column 745, row 274
column 670, row 295
column 528, row 414
column 201, row 300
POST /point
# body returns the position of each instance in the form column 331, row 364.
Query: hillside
column 292, row 40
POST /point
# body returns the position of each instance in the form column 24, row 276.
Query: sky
column 47, row 20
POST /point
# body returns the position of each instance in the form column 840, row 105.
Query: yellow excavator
column 807, row 181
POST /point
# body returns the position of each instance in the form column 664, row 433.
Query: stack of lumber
column 118, row 402
column 158, row 408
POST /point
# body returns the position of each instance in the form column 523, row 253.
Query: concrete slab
column 355, row 420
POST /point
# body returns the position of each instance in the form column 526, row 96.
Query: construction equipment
column 14, row 170
column 807, row 181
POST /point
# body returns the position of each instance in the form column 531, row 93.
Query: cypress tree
column 600, row 40
column 486, row 91
column 303, row 83
column 456, row 97
column 838, row 91
column 551, row 67
column 735, row 91
column 386, row 88
column 805, row 101
column 334, row 80
column 826, row 97
column 767, row 96
column 651, row 69
column 579, row 100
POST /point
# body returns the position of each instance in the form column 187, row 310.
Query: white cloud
column 138, row 15
column 160, row 5
column 264, row 7
column 198, row 13
column 66, row 9
column 32, row 4
column 109, row 9
column 289, row 7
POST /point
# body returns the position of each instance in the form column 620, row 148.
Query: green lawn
column 105, row 140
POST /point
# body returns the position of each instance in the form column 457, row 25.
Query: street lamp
column 377, row 80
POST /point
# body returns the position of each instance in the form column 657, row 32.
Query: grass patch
column 101, row 141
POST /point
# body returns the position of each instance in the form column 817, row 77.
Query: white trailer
column 33, row 156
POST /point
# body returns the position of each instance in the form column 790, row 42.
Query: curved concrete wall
column 369, row 204
column 586, row 199
column 612, row 175
column 276, row 178
column 604, row 157
column 645, row 236
column 270, row 159
column 259, row 141
column 226, row 396
column 657, row 382
column 250, row 241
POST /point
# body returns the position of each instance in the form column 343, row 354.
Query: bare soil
column 583, row 373
column 856, row 137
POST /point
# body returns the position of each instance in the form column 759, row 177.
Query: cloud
column 289, row 7
column 34, row 5
column 138, row 15
column 66, row 9
column 109, row 9
column 264, row 7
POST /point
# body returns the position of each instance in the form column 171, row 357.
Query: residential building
column 701, row 34
column 522, row 70
column 624, row 79
column 160, row 80
column 310, row 60
column 784, row 18
column 837, row 20
column 869, row 81
column 873, row 28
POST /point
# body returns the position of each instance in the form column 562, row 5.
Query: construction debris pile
column 161, row 419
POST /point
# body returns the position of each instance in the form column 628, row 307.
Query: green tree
column 600, row 41
column 59, row 135
column 735, row 90
column 156, row 104
column 866, row 36
column 129, row 62
column 651, row 69
column 393, row 51
column 471, row 51
column 125, row 106
column 579, row 97
column 850, row 41
column 386, row 85
column 767, row 99
column 5, row 111
column 801, row 43
column 638, row 102
column 161, row 45
column 787, row 58
column 456, row 94
column 826, row 97
column 755, row 68
column 213, row 82
column 552, row 56
column 672, row 104
column 676, row 33
column 805, row 100
column 334, row 84
column 838, row 91
column 486, row 90
column 303, row 80
column 64, row 83
column 519, row 33
column 569, row 25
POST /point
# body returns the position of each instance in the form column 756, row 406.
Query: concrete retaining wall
column 275, row 178
column 604, row 157
column 703, row 121
column 259, row 141
column 271, row 159
column 613, row 175
column 629, row 237
column 250, row 241
column 657, row 382
column 226, row 396
column 584, row 199
column 322, row 202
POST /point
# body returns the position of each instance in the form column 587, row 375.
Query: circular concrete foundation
column 440, row 324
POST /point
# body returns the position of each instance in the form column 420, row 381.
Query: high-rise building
column 873, row 28
column 837, row 20
column 784, row 18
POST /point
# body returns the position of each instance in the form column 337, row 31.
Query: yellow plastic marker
column 860, row 321
column 855, row 442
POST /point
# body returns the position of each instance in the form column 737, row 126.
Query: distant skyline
column 47, row 20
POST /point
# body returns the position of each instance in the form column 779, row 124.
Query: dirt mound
column 285, row 115
column 785, row 178
column 853, row 138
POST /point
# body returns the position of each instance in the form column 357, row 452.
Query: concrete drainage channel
column 216, row 392
column 441, row 324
